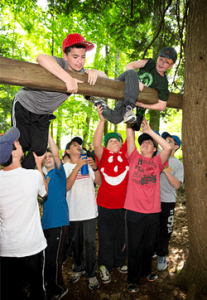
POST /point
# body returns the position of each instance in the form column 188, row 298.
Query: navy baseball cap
column 75, row 139
column 6, row 142
column 144, row 137
column 175, row 137
column 169, row 53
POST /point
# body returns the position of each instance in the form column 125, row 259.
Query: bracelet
column 95, row 169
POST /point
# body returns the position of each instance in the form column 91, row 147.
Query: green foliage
column 123, row 30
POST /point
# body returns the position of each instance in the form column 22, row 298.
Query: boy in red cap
column 33, row 110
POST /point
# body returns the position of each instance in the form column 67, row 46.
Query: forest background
column 122, row 31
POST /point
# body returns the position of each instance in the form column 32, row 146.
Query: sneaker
column 129, row 116
column 60, row 296
column 123, row 269
column 93, row 283
column 136, row 126
column 133, row 288
column 140, row 114
column 152, row 277
column 161, row 263
column 105, row 275
column 96, row 101
column 75, row 276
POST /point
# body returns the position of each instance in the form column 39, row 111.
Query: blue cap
column 175, row 137
column 6, row 142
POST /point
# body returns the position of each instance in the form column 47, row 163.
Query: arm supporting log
column 21, row 73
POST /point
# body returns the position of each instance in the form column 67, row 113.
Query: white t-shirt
column 81, row 197
column 21, row 232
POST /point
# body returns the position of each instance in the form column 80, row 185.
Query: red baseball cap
column 76, row 38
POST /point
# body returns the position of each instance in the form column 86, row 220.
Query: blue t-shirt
column 56, row 213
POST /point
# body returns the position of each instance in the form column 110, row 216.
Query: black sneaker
column 140, row 115
column 133, row 288
column 152, row 277
column 96, row 101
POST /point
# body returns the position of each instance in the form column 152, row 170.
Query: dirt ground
column 161, row 289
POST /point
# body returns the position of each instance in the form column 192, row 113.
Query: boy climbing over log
column 151, row 74
column 33, row 109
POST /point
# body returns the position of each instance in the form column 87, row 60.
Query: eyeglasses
column 169, row 141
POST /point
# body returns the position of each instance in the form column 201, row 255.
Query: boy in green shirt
column 152, row 74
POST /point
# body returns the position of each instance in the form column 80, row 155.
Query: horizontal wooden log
column 21, row 73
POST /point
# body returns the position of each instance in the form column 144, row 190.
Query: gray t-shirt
column 167, row 191
column 43, row 102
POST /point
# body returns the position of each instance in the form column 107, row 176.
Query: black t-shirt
column 149, row 75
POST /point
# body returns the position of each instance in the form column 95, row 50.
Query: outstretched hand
column 39, row 160
column 145, row 126
column 100, row 110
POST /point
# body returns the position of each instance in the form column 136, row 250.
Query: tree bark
column 194, row 130
column 21, row 73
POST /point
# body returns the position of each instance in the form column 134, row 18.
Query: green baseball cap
column 110, row 135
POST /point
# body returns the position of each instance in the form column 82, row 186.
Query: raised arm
column 97, row 138
column 39, row 161
column 49, row 63
column 165, row 153
column 130, row 139
column 55, row 151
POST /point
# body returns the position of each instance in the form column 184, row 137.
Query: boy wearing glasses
column 171, row 179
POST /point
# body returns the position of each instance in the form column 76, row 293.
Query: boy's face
column 49, row 160
column 113, row 145
column 172, row 143
column 162, row 65
column 75, row 59
column 147, row 148
column 74, row 149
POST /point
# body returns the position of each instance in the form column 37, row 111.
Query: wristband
column 95, row 169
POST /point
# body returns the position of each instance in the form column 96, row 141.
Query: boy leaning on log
column 152, row 74
column 33, row 109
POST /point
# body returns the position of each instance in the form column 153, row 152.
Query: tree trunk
column 194, row 275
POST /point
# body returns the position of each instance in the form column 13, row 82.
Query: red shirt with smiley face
column 114, row 170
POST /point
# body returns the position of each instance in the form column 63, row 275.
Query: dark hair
column 9, row 161
column 79, row 46
column 66, row 155
column 48, row 150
